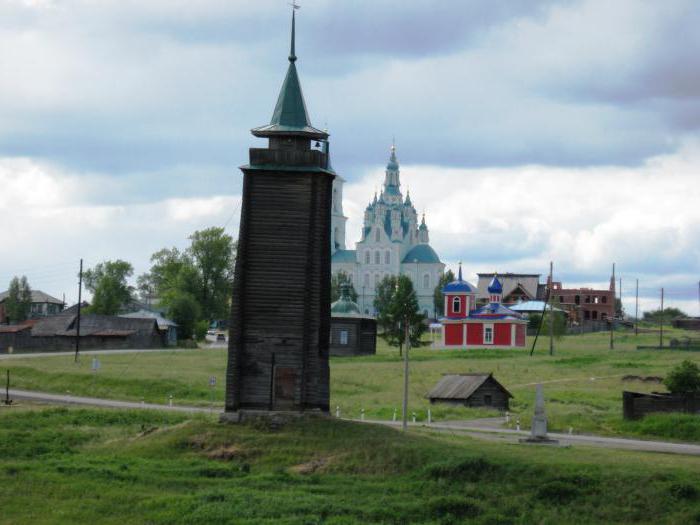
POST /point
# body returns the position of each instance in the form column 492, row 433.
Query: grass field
column 70, row 466
column 583, row 385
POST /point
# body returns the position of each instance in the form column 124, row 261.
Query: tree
column 396, row 303
column 18, row 304
column 213, row 253
column 108, row 283
column 684, row 379
column 619, row 309
column 667, row 314
column 438, row 296
column 336, row 280
column 184, row 309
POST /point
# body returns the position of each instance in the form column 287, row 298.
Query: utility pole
column 620, row 298
column 551, row 308
column 8, row 401
column 661, row 321
column 612, row 318
column 636, row 308
column 404, row 423
column 77, row 322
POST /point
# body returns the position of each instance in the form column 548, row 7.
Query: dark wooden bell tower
column 280, row 315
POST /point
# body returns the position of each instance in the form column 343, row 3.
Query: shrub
column 684, row 379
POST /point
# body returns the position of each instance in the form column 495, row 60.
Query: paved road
column 481, row 429
column 485, row 431
column 61, row 399
column 102, row 352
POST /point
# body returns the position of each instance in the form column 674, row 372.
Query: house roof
column 163, row 323
column 14, row 328
column 37, row 297
column 461, row 386
column 91, row 324
column 421, row 253
column 533, row 306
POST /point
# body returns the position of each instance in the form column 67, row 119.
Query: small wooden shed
column 470, row 390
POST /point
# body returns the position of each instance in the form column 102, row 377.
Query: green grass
column 73, row 466
column 583, row 380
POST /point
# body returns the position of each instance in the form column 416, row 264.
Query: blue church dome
column 421, row 253
column 459, row 285
column 495, row 286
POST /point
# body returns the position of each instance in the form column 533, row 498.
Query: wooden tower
column 280, row 315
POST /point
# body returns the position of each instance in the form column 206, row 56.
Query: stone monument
column 538, row 433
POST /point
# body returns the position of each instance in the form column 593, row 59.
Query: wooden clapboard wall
column 280, row 316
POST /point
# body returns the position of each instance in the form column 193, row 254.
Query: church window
column 387, row 257
column 426, row 281
column 456, row 305
column 366, row 280
column 377, row 235
column 367, row 256
column 377, row 257
column 488, row 335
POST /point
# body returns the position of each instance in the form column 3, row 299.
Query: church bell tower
column 280, row 315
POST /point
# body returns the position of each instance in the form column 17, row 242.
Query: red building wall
column 502, row 335
column 475, row 334
column 463, row 310
column 453, row 334
column 520, row 335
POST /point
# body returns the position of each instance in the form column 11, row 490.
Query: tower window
column 367, row 256
column 456, row 305
column 426, row 280
column 387, row 257
column 377, row 258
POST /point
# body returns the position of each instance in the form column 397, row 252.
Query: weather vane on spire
column 292, row 54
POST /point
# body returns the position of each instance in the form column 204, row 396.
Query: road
column 104, row 352
column 480, row 429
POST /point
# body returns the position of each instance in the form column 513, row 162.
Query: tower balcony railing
column 288, row 157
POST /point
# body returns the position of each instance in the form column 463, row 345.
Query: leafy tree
column 396, row 303
column 213, row 253
column 108, row 283
column 619, row 309
column 667, row 314
column 184, row 309
column 336, row 280
column 18, row 304
column 684, row 379
column 438, row 296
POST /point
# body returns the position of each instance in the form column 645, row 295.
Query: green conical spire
column 290, row 115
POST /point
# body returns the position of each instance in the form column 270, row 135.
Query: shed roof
column 163, row 323
column 461, row 386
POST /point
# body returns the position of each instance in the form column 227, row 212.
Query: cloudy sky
column 528, row 131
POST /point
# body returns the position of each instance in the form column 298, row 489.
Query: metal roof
column 344, row 256
column 533, row 306
column 163, row 323
column 461, row 386
column 290, row 116
column 494, row 311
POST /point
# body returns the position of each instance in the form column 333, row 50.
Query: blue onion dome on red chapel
column 459, row 285
column 495, row 286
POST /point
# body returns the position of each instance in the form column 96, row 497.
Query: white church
column 392, row 243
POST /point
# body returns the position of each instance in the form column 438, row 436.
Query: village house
column 352, row 332
column 470, row 390
column 43, row 305
column 517, row 287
